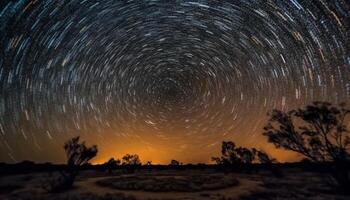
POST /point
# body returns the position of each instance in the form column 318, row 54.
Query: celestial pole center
column 162, row 76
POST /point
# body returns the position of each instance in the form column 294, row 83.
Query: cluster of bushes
column 233, row 155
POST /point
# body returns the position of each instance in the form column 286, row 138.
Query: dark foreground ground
column 290, row 183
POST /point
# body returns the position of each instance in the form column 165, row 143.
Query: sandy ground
column 245, row 187
column 293, row 185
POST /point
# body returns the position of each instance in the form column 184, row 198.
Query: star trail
column 164, row 79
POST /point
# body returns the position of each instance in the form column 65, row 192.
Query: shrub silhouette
column 264, row 158
column 318, row 132
column 131, row 162
column 241, row 158
column 232, row 155
column 77, row 155
column 111, row 164
column 131, row 159
column 175, row 163
column 148, row 163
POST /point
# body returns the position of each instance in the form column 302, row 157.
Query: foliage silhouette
column 131, row 162
column 77, row 155
column 111, row 164
column 264, row 158
column 232, row 155
column 242, row 158
column 318, row 132
column 148, row 163
column 175, row 163
column 131, row 159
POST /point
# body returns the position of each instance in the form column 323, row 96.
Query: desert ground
column 174, row 184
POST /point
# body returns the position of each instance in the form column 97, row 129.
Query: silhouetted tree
column 231, row 155
column 131, row 162
column 236, row 155
column 317, row 132
column 245, row 155
column 217, row 160
column 77, row 155
column 174, row 163
column 111, row 164
column 241, row 158
column 264, row 158
column 129, row 159
column 148, row 163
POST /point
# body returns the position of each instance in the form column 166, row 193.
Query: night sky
column 163, row 79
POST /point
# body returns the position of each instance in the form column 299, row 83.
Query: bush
column 77, row 155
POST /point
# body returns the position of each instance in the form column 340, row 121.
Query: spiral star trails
column 182, row 74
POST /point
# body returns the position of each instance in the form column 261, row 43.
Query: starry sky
column 163, row 79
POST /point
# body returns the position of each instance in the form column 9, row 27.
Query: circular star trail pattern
column 181, row 72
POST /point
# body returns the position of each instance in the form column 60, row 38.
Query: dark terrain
column 286, row 181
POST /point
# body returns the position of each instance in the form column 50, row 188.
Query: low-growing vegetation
column 188, row 183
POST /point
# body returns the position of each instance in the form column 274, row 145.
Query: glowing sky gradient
column 163, row 79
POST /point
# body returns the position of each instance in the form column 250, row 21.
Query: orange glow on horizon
column 164, row 153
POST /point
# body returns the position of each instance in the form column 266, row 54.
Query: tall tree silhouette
column 77, row 155
column 317, row 132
